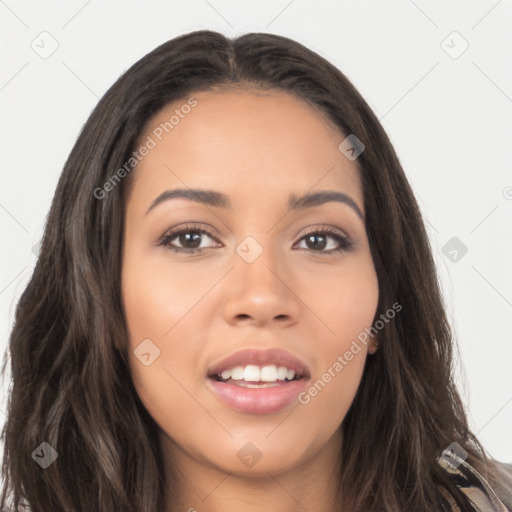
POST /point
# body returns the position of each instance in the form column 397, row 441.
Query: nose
column 262, row 293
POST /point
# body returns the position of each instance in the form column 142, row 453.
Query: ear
column 373, row 345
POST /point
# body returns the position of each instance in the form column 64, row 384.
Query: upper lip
column 260, row 357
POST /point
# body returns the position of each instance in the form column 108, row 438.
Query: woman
column 235, row 305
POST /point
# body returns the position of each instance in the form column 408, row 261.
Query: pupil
column 185, row 238
column 315, row 236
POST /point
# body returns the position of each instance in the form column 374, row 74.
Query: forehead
column 247, row 143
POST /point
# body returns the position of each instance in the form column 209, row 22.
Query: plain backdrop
column 437, row 73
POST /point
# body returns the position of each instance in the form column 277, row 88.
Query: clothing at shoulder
column 476, row 487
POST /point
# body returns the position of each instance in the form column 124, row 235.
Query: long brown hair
column 71, row 387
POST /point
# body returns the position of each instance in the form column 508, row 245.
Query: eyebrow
column 220, row 200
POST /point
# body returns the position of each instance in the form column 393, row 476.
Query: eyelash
column 344, row 242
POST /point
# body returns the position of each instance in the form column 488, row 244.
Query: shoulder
column 470, row 482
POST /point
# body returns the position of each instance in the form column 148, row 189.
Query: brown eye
column 189, row 237
column 317, row 241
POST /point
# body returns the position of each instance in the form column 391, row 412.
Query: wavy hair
column 71, row 386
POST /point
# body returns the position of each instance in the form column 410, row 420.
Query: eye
column 190, row 238
column 317, row 239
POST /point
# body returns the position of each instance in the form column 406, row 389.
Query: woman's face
column 262, row 296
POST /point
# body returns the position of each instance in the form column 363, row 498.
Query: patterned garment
column 475, row 486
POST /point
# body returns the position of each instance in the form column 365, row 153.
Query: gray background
column 447, row 109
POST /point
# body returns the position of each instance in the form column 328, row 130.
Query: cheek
column 155, row 298
column 343, row 297
column 347, row 302
column 156, row 302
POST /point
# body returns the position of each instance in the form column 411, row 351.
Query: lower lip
column 258, row 400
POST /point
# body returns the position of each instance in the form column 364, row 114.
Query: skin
column 256, row 147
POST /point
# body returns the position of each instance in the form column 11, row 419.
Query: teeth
column 282, row 372
column 237, row 373
column 269, row 374
column 226, row 374
column 253, row 373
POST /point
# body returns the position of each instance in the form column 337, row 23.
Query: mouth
column 253, row 376
column 258, row 382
